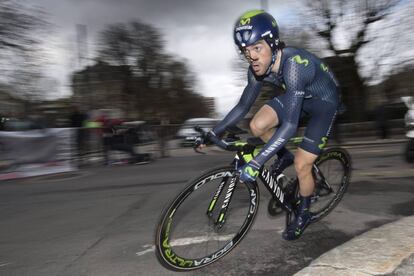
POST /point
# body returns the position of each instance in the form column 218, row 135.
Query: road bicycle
column 214, row 212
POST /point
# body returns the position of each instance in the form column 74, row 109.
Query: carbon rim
column 166, row 248
column 341, row 159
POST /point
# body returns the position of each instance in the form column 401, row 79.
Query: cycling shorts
column 322, row 117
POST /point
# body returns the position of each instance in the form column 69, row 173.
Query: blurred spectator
column 381, row 119
column 107, row 134
column 121, row 139
column 2, row 121
column 77, row 120
column 336, row 131
column 336, row 128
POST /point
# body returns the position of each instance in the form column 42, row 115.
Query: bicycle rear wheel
column 206, row 220
column 332, row 173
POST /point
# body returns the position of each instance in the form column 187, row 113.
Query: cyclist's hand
column 202, row 141
column 249, row 172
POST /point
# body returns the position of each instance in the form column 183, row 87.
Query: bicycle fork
column 230, row 190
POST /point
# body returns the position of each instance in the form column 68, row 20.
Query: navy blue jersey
column 305, row 79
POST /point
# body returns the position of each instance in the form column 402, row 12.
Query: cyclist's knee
column 303, row 167
column 258, row 128
column 255, row 128
column 304, row 161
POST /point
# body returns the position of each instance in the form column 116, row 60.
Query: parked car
column 187, row 134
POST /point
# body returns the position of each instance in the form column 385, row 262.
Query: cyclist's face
column 259, row 56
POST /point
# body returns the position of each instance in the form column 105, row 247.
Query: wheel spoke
column 216, row 196
column 226, row 202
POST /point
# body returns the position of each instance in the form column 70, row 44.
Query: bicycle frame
column 264, row 176
column 275, row 190
column 285, row 200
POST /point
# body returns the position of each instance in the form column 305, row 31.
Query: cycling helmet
column 255, row 25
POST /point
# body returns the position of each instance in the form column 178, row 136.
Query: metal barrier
column 35, row 152
column 90, row 146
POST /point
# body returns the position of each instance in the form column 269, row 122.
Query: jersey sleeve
column 297, row 73
column 249, row 96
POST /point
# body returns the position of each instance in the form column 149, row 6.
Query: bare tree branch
column 330, row 13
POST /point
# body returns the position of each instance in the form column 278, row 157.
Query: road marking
column 151, row 249
column 187, row 241
column 376, row 252
column 4, row 264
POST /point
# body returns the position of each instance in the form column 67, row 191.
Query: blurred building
column 140, row 95
column 102, row 86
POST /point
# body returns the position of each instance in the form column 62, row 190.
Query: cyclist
column 310, row 88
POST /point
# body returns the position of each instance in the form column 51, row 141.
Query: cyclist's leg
column 303, row 165
column 285, row 157
column 314, row 140
column 264, row 123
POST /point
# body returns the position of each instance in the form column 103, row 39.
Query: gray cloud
column 198, row 30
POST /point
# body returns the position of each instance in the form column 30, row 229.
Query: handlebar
column 215, row 140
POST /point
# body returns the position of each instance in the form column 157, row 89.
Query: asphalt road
column 101, row 221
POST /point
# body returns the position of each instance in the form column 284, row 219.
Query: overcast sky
column 199, row 31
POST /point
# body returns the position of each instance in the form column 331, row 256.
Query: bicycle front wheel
column 206, row 220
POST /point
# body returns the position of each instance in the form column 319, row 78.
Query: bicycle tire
column 167, row 246
column 341, row 157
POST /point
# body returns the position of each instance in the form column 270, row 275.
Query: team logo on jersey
column 324, row 67
column 298, row 59
column 324, row 142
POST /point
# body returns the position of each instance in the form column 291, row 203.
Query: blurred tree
column 16, row 25
column 21, row 55
column 162, row 87
column 329, row 20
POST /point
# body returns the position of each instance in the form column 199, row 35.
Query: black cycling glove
column 209, row 138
